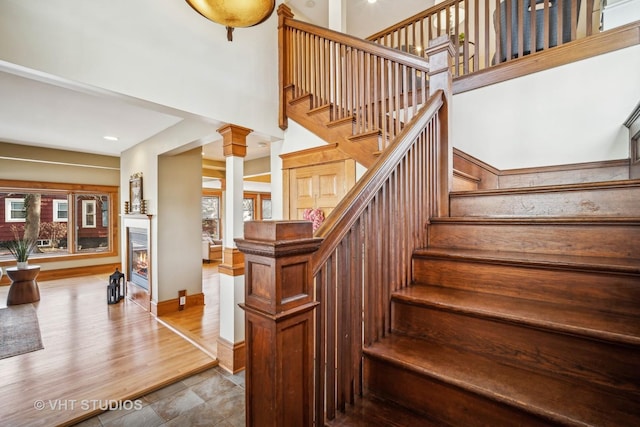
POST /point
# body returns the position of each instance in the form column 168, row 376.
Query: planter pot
column 23, row 265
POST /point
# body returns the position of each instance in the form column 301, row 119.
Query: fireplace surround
column 137, row 260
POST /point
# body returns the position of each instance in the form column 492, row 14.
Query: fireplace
column 139, row 257
column 137, row 261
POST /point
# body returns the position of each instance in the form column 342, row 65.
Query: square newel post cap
column 278, row 238
column 278, row 266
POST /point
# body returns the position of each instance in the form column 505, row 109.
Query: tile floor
column 212, row 398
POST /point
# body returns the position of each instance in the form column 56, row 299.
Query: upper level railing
column 378, row 88
column 485, row 33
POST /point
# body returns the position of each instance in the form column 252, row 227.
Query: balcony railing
column 490, row 32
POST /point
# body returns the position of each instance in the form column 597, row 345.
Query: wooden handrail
column 378, row 88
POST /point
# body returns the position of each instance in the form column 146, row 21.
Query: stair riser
column 580, row 239
column 520, row 346
column 615, row 293
column 612, row 202
column 612, row 170
column 446, row 402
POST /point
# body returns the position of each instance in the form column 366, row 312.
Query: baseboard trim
column 231, row 357
column 64, row 273
column 163, row 308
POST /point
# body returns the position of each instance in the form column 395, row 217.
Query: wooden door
column 321, row 186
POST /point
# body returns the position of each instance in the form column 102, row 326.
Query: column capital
column 234, row 140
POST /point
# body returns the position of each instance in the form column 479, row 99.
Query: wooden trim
column 633, row 117
column 232, row 262
column 607, row 41
column 486, row 174
column 234, row 140
column 30, row 186
column 169, row 306
column 231, row 357
column 573, row 166
column 313, row 156
column 284, row 13
column 64, row 273
column 59, row 187
column 286, row 194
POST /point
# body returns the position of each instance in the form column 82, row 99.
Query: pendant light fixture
column 234, row 13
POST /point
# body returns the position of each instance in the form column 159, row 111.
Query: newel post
column 440, row 53
column 283, row 62
column 279, row 311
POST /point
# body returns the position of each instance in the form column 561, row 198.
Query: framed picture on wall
column 135, row 193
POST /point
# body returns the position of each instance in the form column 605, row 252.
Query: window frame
column 8, row 217
column 86, row 214
column 56, row 210
column 71, row 191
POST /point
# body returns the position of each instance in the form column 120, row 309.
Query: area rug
column 19, row 330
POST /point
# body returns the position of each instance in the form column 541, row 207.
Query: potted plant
column 21, row 248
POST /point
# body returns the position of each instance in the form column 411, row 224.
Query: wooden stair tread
column 537, row 220
column 557, row 400
column 614, row 328
column 465, row 176
column 551, row 188
column 532, row 259
column 370, row 411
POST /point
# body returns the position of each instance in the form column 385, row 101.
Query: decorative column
column 231, row 351
column 279, row 310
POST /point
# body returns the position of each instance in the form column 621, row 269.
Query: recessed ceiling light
column 262, row 144
column 110, row 138
column 371, row 1
column 310, row 3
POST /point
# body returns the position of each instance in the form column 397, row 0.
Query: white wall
column 620, row 12
column 157, row 50
column 568, row 114
column 166, row 248
column 179, row 231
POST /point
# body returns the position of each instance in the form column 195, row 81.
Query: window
column 89, row 214
column 211, row 216
column 60, row 210
column 266, row 208
column 71, row 222
column 14, row 210
column 105, row 213
column 248, row 209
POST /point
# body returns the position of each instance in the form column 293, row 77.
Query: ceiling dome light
column 234, row 13
column 110, row 138
column 372, row 1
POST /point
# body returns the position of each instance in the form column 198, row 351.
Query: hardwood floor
column 200, row 325
column 93, row 353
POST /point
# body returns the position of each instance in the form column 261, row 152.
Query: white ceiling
column 44, row 110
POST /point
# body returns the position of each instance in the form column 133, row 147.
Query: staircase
column 512, row 301
column 524, row 310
